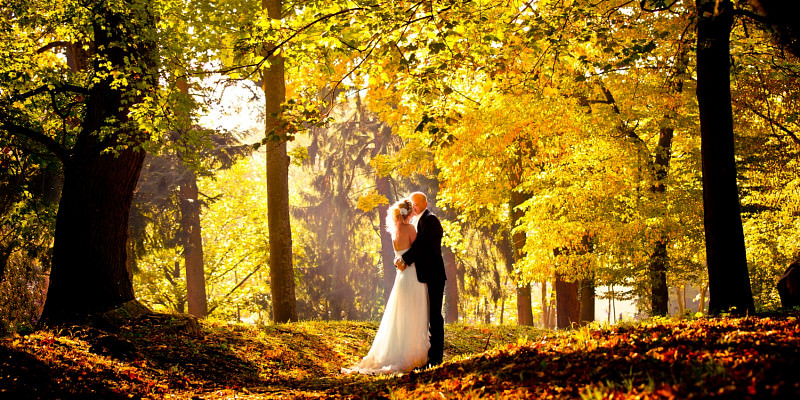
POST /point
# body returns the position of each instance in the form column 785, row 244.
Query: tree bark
column 193, row 246
column 284, row 304
column 524, row 300
column 729, row 281
column 567, row 304
column 657, row 269
column 89, row 271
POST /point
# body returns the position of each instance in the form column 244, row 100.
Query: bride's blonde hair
column 398, row 213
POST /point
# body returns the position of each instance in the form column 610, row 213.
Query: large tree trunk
column 451, row 286
column 729, row 281
column 89, row 272
column 89, row 267
column 193, row 246
column 284, row 304
column 567, row 304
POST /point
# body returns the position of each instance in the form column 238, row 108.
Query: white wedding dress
column 403, row 340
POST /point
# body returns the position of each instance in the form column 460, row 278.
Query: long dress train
column 402, row 341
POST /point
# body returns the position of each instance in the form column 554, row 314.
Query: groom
column 426, row 252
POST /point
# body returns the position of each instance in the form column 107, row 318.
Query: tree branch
column 43, row 139
column 272, row 51
column 664, row 8
column 59, row 43
column 777, row 124
column 751, row 15
column 238, row 285
column 61, row 88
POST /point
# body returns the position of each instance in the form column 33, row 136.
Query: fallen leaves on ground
column 754, row 357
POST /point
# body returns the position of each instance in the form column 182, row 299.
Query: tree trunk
column 659, row 292
column 524, row 299
column 89, row 272
column 451, row 286
column 284, row 304
column 659, row 259
column 567, row 304
column 193, row 246
column 701, row 308
column 545, row 306
column 524, row 308
column 387, row 249
column 729, row 281
column 587, row 301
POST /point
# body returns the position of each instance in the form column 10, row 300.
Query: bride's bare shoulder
column 406, row 228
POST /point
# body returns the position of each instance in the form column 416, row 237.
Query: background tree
column 284, row 306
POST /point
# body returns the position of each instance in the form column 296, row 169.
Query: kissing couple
column 403, row 341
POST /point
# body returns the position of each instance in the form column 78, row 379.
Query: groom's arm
column 427, row 239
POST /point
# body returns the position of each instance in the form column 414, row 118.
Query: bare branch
column 751, row 15
column 52, row 45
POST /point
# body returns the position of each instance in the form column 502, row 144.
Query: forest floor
column 155, row 358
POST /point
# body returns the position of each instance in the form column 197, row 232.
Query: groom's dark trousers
column 426, row 253
column 435, row 295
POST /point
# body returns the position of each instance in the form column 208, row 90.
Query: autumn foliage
column 158, row 357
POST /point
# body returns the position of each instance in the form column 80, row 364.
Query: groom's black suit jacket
column 426, row 251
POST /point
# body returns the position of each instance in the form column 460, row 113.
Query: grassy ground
column 157, row 357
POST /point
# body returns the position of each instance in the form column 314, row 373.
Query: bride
column 402, row 341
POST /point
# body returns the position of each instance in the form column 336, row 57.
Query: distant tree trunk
column 680, row 297
column 701, row 308
column 191, row 231
column 89, row 266
column 193, row 246
column 567, row 304
column 451, row 286
column 545, row 306
column 284, row 304
column 524, row 299
column 729, row 280
column 387, row 249
column 587, row 303
column 659, row 259
column 524, row 305
column 659, row 292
